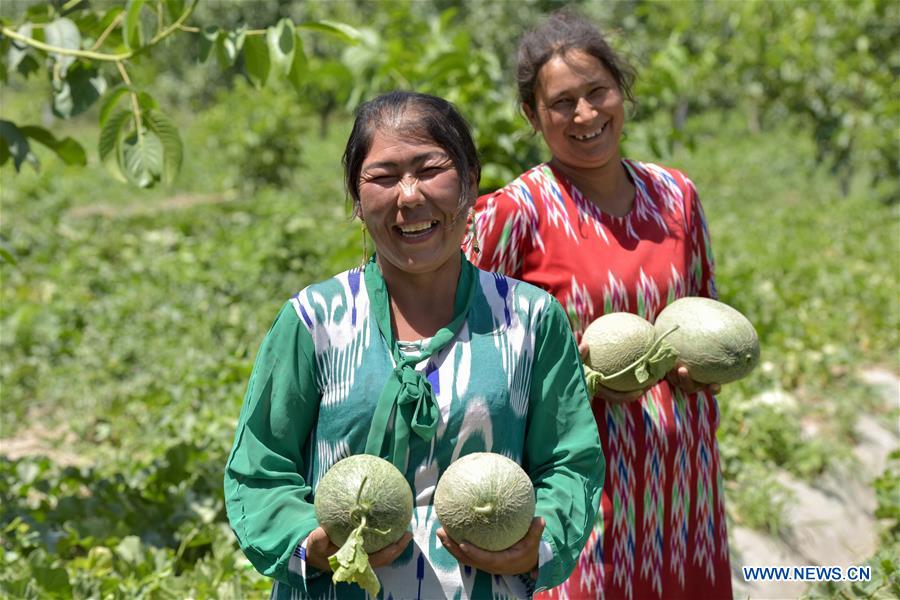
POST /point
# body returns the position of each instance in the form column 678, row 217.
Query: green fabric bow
column 406, row 388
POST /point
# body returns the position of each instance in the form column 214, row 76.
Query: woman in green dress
column 420, row 358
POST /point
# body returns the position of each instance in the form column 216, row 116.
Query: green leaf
column 66, row 149
column 340, row 30
column 297, row 73
column 146, row 101
column 71, row 6
column 208, row 39
column 6, row 254
column 173, row 150
column 17, row 50
column 141, row 158
column 53, row 579
column 229, row 45
column 111, row 101
column 351, row 564
column 129, row 549
column 15, row 145
column 81, row 87
column 256, row 60
column 175, row 8
column 132, row 31
column 110, row 139
column 39, row 13
column 5, row 153
column 63, row 33
column 113, row 38
column 280, row 39
column 28, row 66
column 593, row 379
column 641, row 373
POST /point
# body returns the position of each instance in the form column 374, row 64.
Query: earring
column 475, row 248
column 365, row 241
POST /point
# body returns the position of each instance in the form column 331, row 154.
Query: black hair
column 561, row 32
column 422, row 117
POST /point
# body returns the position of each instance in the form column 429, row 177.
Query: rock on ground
column 831, row 521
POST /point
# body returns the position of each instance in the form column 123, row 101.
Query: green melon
column 625, row 353
column 364, row 485
column 485, row 499
column 713, row 340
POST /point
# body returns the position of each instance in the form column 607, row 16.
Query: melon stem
column 362, row 510
column 362, row 484
column 484, row 510
column 650, row 352
column 359, row 509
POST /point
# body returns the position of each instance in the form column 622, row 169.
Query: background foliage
column 132, row 310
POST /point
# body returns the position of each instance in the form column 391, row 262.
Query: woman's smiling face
column 409, row 194
column 579, row 110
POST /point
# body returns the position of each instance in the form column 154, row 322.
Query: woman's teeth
column 589, row 136
column 416, row 228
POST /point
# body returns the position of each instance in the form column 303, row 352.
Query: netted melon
column 714, row 341
column 625, row 353
column 364, row 504
column 485, row 499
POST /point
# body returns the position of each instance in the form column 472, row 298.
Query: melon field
column 130, row 316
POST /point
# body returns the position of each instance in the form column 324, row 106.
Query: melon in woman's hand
column 625, row 353
column 714, row 341
column 485, row 499
column 364, row 504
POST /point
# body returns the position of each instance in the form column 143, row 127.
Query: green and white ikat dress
column 509, row 380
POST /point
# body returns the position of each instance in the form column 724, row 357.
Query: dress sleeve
column 563, row 455
column 702, row 277
column 502, row 228
column 266, row 495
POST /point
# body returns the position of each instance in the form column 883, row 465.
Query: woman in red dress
column 606, row 234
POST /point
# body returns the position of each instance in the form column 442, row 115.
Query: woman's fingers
column 389, row 554
column 680, row 377
column 452, row 547
column 318, row 548
column 584, row 350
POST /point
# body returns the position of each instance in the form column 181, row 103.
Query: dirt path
column 832, row 521
column 176, row 202
column 38, row 440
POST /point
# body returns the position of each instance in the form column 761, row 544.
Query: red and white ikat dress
column 661, row 530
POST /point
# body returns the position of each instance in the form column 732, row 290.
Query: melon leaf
column 641, row 373
column 593, row 379
column 663, row 358
column 351, row 563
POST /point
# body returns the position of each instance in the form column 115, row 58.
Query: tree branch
column 174, row 26
column 12, row 34
column 135, row 104
column 103, row 36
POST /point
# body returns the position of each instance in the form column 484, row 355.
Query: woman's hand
column 680, row 377
column 319, row 547
column 521, row 557
column 611, row 397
